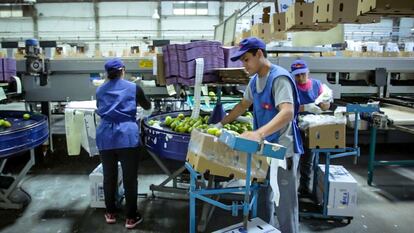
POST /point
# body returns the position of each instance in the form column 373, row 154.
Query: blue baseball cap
column 247, row 44
column 114, row 64
column 299, row 67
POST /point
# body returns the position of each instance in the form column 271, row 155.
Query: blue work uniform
column 309, row 96
column 116, row 102
column 264, row 109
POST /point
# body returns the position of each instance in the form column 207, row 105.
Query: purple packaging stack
column 228, row 52
column 7, row 69
column 179, row 61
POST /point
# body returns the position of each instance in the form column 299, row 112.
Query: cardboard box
column 325, row 136
column 160, row 70
column 300, row 14
column 266, row 18
column 342, row 11
column 207, row 153
column 299, row 17
column 255, row 225
column 96, row 187
column 246, row 34
column 262, row 31
column 323, row 11
column 280, row 22
column 256, row 19
column 347, row 11
column 393, row 7
column 342, row 199
column 277, row 36
column 390, row 54
column 366, row 19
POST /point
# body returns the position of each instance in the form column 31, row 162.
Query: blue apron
column 116, row 102
column 264, row 109
column 310, row 95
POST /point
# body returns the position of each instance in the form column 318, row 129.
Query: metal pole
column 246, row 203
column 356, row 136
column 371, row 161
column 192, row 203
column 326, row 185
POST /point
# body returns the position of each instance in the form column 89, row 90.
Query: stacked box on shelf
column 400, row 8
column 343, row 11
column 7, row 69
column 299, row 17
column 262, row 31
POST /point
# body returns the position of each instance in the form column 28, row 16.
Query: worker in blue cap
column 273, row 93
column 309, row 90
column 117, row 138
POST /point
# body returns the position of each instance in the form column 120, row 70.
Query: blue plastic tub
column 165, row 142
column 23, row 135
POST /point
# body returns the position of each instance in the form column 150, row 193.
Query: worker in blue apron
column 309, row 90
column 275, row 101
column 117, row 138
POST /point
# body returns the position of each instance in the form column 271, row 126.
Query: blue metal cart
column 334, row 153
column 250, row 189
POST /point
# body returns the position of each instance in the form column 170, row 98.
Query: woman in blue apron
column 117, row 138
column 275, row 102
column 308, row 90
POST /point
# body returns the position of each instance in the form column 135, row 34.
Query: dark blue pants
column 306, row 170
column 129, row 163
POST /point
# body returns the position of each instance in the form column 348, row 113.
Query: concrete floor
column 59, row 188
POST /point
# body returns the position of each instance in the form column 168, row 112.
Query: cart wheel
column 346, row 221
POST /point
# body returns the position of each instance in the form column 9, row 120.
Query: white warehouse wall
column 123, row 24
column 69, row 20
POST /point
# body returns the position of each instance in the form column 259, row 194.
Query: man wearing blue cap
column 309, row 90
column 275, row 100
column 117, row 138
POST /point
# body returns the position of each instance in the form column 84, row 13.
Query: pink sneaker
column 110, row 218
column 132, row 223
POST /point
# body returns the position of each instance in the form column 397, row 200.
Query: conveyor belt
column 399, row 115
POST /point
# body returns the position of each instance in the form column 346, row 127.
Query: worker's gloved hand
column 244, row 119
column 312, row 108
column 147, row 113
column 217, row 125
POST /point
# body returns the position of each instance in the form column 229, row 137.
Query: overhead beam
column 221, row 11
column 97, row 24
column 66, row 1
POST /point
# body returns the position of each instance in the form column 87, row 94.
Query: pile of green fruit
column 5, row 123
column 183, row 124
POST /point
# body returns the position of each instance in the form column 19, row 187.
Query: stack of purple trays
column 228, row 53
column 179, row 61
column 7, row 69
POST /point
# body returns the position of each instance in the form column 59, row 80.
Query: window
column 190, row 8
column 11, row 11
